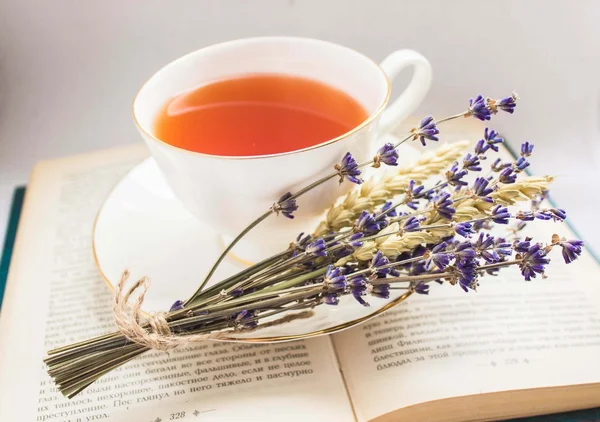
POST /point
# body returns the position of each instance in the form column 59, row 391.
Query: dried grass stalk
column 466, row 209
column 376, row 191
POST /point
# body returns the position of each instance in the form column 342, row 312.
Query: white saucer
column 142, row 227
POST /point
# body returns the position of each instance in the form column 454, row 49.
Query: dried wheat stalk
column 377, row 191
column 466, row 209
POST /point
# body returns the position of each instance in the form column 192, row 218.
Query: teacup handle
column 414, row 93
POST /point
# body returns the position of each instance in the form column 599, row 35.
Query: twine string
column 152, row 330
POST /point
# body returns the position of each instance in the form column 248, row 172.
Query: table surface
column 68, row 70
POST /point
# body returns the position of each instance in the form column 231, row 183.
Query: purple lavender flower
column 346, row 246
column 286, row 205
column 176, row 306
column 421, row 288
column 521, row 164
column 413, row 192
column 386, row 207
column 464, row 229
column 544, row 215
column 443, row 205
column 438, row 257
column 492, row 138
column 411, row 224
column 302, row 240
column 418, row 267
column 330, row 298
column 484, row 241
column 366, row 222
column 369, row 223
column 500, row 215
column 355, row 240
column 236, row 292
column 464, row 251
column 522, row 246
column 245, row 319
column 358, row 288
column 526, row 149
column 507, row 176
column 507, row 104
column 408, row 266
column 334, row 278
column 558, row 214
column 571, row 249
column 381, row 291
column 471, row 162
column 358, row 294
column 342, row 252
column 481, row 189
column 317, row 248
column 403, row 256
column 502, row 247
column 356, row 281
column 481, row 147
column 418, row 251
column 454, row 176
column 427, row 129
column 525, row 216
column 394, row 272
column 484, row 247
column 348, row 169
column 533, row 262
column 467, row 274
column 498, row 165
column 555, row 214
column 387, row 154
column 478, row 108
column 300, row 244
column 378, row 261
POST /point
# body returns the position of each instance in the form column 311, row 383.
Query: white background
column 69, row 69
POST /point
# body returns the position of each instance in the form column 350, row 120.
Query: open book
column 513, row 348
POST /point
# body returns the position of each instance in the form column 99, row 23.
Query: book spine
column 9, row 239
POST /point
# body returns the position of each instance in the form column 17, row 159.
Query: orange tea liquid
column 256, row 115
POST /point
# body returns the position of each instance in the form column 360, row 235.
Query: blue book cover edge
column 9, row 238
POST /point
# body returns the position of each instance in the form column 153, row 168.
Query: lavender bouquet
column 398, row 232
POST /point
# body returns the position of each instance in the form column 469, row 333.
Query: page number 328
column 177, row 415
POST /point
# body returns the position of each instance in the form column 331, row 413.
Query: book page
column 55, row 296
column 508, row 335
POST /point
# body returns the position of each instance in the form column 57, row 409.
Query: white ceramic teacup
column 228, row 192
